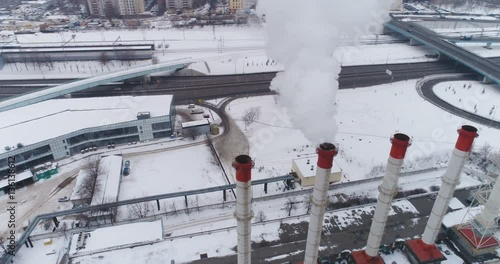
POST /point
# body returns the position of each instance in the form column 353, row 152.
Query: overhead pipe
column 326, row 152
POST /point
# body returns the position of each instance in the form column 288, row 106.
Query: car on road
column 126, row 171
column 63, row 199
column 127, row 163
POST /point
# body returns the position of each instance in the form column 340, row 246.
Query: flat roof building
column 56, row 129
column 305, row 168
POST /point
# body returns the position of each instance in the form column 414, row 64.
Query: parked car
column 94, row 148
column 127, row 163
column 63, row 199
column 191, row 106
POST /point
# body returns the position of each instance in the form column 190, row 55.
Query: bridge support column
column 488, row 46
column 486, row 80
column 387, row 31
column 414, row 43
column 442, row 57
column 147, row 79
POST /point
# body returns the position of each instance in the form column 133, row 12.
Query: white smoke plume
column 305, row 35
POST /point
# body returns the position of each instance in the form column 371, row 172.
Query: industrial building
column 196, row 128
column 178, row 5
column 77, row 52
column 108, row 183
column 88, row 122
column 305, row 169
column 22, row 179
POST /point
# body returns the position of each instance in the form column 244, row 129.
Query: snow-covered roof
column 120, row 235
column 309, row 170
column 19, row 177
column 195, row 123
column 53, row 118
column 77, row 193
column 109, row 181
column 455, row 204
column 460, row 216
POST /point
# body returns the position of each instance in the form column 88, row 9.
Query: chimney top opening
column 469, row 128
column 327, row 146
column 243, row 159
column 402, row 137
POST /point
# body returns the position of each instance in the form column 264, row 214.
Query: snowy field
column 225, row 50
column 171, row 171
column 365, row 125
column 474, row 97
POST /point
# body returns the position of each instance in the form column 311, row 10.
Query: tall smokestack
column 326, row 152
column 466, row 136
column 243, row 214
column 485, row 221
column 387, row 189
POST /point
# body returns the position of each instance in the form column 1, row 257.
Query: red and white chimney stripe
column 387, row 189
column 326, row 152
column 466, row 136
column 243, row 214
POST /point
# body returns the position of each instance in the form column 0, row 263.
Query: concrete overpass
column 427, row 37
column 54, row 92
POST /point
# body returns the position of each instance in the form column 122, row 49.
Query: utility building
column 305, row 168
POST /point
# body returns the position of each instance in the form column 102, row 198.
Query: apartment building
column 173, row 5
column 235, row 5
column 111, row 8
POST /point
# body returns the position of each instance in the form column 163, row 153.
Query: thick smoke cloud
column 305, row 36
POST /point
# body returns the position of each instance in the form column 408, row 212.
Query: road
column 427, row 92
column 208, row 87
column 293, row 236
column 431, row 39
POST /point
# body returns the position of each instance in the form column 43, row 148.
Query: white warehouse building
column 56, row 129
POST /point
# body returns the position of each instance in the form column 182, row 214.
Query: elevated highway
column 50, row 93
column 427, row 37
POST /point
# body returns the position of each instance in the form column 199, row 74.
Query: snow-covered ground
column 367, row 118
column 471, row 96
column 225, row 50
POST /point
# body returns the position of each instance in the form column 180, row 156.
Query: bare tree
column 308, row 204
column 92, row 169
column 155, row 60
column 103, row 58
column 140, row 210
column 290, row 205
column 174, row 208
column 250, row 115
column 2, row 244
column 260, row 217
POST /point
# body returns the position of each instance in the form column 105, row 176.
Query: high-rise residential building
column 179, row 4
column 235, row 5
column 107, row 8
column 111, row 8
column 131, row 7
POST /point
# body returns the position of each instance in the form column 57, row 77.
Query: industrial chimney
column 387, row 190
column 326, row 152
column 424, row 249
column 243, row 214
column 485, row 221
